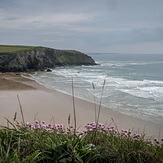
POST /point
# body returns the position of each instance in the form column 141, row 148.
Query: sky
column 107, row 26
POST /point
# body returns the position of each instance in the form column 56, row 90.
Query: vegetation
column 20, row 48
column 41, row 142
column 72, row 51
column 14, row 48
column 68, row 57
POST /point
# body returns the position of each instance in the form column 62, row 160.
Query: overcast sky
column 120, row 26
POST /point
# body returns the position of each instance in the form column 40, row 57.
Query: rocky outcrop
column 41, row 58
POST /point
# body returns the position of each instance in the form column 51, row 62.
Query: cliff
column 40, row 58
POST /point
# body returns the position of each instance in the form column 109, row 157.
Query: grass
column 14, row 48
column 41, row 142
column 72, row 51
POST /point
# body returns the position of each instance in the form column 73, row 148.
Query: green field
column 14, row 48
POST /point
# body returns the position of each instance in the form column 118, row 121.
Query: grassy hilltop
column 21, row 48
column 14, row 48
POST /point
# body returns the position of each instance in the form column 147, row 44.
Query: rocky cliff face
column 41, row 58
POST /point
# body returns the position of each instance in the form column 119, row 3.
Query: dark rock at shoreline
column 39, row 58
column 48, row 70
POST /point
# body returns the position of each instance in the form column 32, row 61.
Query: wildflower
column 37, row 125
column 71, row 126
column 32, row 127
column 105, row 130
column 100, row 124
column 129, row 133
column 68, row 129
column 77, row 131
column 49, row 130
column 126, row 131
column 116, row 131
column 43, row 127
column 58, row 133
column 27, row 123
column 61, row 126
column 86, row 131
column 90, row 129
column 149, row 142
column 81, row 133
column 155, row 139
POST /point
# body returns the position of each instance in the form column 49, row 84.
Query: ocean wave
column 128, row 63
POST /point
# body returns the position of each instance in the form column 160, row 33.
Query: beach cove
column 43, row 104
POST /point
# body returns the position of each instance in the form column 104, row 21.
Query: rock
column 39, row 58
column 48, row 70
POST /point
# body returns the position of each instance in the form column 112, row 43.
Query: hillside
column 31, row 58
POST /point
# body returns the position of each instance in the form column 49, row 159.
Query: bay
column 134, row 83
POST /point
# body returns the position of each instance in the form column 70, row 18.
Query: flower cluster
column 92, row 126
column 43, row 126
column 99, row 127
column 89, row 128
column 57, row 128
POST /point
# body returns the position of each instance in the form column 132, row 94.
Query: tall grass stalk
column 15, row 116
column 98, row 115
column 97, row 119
column 8, row 122
column 69, row 118
column 115, row 125
column 35, row 116
column 21, row 110
column 93, row 86
column 73, row 100
column 52, row 119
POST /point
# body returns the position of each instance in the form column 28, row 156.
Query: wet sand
column 40, row 103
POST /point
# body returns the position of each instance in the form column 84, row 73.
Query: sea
column 129, row 83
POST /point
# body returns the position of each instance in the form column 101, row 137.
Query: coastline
column 41, row 103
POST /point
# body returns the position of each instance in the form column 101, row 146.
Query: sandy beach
column 40, row 103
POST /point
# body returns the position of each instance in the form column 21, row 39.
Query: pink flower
column 81, row 133
column 155, row 139
column 71, row 126
column 116, row 131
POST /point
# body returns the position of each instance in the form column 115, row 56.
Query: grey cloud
column 7, row 3
column 81, row 24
